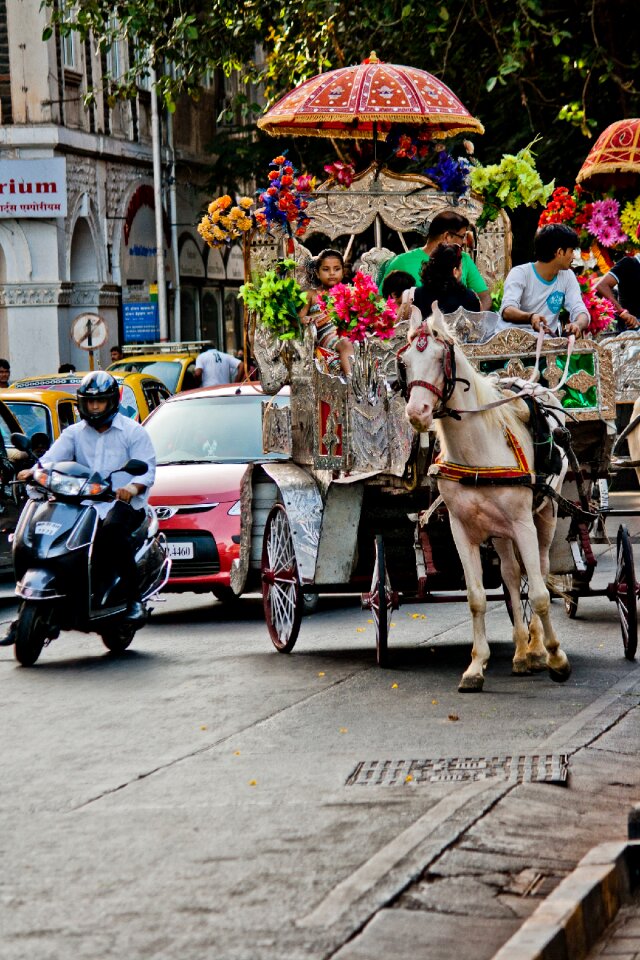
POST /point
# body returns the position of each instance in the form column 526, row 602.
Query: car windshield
column 211, row 430
column 32, row 417
column 166, row 370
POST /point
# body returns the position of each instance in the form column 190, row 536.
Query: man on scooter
column 105, row 440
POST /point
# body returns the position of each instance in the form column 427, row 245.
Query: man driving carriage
column 535, row 293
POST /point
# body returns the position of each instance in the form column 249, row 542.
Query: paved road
column 190, row 799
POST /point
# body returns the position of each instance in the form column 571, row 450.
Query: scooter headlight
column 41, row 476
column 75, row 486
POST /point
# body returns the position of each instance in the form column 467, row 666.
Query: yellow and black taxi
column 41, row 411
column 140, row 393
column 176, row 370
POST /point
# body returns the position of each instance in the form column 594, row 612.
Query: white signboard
column 191, row 262
column 33, row 188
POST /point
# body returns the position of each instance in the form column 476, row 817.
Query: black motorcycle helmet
column 99, row 385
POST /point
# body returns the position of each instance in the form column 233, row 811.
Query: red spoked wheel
column 281, row 590
column 382, row 601
column 624, row 590
column 525, row 603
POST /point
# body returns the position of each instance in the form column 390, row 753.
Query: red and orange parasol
column 366, row 100
column 614, row 159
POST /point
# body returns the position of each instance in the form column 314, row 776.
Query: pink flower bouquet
column 358, row 310
column 601, row 312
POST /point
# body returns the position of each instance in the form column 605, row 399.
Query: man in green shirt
column 446, row 227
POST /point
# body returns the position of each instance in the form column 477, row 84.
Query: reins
column 450, row 380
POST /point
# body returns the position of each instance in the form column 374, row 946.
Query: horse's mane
column 510, row 416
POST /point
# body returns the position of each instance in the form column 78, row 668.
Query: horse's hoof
column 560, row 676
column 537, row 662
column 520, row 668
column 472, row 684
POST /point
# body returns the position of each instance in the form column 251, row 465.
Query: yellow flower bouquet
column 225, row 221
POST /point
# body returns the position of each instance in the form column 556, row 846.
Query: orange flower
column 278, row 160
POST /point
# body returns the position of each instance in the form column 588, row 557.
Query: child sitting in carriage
column 326, row 271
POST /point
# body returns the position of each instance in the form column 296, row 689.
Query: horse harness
column 448, row 370
column 519, row 475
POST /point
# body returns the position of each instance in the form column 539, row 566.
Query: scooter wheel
column 117, row 639
column 31, row 632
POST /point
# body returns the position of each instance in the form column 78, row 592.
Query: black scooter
column 61, row 585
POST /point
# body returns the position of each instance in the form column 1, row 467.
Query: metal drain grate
column 552, row 768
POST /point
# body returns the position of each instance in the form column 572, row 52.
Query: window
column 115, row 61
column 69, row 58
column 66, row 414
column 154, row 393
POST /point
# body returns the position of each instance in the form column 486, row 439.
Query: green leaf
column 47, row 33
column 490, row 84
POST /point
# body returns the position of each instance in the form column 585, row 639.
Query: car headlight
column 235, row 510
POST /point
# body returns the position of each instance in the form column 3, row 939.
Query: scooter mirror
column 21, row 442
column 135, row 467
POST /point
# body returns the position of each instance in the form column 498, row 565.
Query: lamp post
column 158, row 210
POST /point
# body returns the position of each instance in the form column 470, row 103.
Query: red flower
column 273, row 174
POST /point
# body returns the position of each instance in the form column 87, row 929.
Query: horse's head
column 426, row 370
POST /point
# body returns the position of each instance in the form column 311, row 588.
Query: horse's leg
column 527, row 544
column 545, row 523
column 511, row 574
column 473, row 678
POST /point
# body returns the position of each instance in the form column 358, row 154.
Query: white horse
column 495, row 446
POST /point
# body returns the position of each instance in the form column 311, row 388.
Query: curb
column 573, row 918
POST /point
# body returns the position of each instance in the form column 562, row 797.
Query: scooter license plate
column 180, row 551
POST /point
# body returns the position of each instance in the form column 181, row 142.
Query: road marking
column 365, row 877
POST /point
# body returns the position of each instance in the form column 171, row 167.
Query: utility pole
column 173, row 214
column 158, row 209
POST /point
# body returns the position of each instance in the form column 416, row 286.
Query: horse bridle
column 421, row 340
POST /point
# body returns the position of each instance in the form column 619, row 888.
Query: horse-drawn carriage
column 355, row 509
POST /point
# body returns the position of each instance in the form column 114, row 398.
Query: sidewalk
column 588, row 915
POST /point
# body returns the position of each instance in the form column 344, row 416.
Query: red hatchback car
column 204, row 440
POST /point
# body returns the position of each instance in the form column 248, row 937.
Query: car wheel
column 309, row 603
column 225, row 594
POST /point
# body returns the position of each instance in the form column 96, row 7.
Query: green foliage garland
column 276, row 297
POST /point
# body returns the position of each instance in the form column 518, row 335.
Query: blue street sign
column 140, row 322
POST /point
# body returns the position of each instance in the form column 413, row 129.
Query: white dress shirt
column 105, row 452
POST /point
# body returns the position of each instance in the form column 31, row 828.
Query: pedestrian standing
column 214, row 368
column 5, row 373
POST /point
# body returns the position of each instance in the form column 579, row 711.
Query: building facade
column 77, row 226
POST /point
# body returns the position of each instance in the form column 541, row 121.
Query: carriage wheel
column 626, row 593
column 571, row 604
column 281, row 590
column 383, row 600
column 524, row 600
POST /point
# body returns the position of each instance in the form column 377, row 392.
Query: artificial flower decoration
column 358, row 310
column 452, row 176
column 601, row 311
column 285, row 200
column 342, row 173
column 605, row 224
column 512, row 182
column 225, row 221
column 560, row 209
column 630, row 221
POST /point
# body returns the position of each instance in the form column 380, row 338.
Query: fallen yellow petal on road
column 394, row 686
column 343, row 730
column 253, row 783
